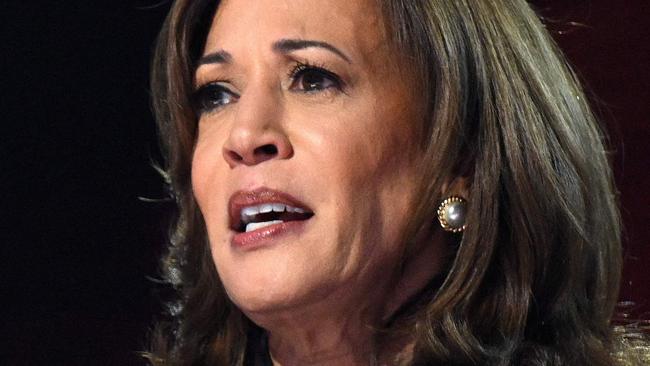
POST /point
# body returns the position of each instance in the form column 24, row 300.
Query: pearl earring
column 452, row 214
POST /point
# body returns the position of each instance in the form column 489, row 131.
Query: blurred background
column 79, row 249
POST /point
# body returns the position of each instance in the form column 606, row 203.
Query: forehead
column 353, row 24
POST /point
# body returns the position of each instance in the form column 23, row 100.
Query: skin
column 345, row 151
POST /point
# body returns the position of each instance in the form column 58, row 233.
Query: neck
column 331, row 347
column 343, row 329
column 324, row 334
column 332, row 343
column 337, row 330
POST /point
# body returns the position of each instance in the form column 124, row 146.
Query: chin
column 261, row 299
column 269, row 282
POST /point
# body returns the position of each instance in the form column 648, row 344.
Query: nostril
column 267, row 150
column 234, row 156
column 254, row 156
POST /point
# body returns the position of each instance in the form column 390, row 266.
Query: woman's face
column 303, row 104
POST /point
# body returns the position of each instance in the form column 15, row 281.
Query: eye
column 211, row 97
column 312, row 79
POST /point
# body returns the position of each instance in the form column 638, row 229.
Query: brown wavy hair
column 533, row 280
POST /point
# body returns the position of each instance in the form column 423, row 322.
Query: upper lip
column 242, row 199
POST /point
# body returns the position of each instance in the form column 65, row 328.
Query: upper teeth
column 248, row 213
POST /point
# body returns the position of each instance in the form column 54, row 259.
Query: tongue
column 258, row 225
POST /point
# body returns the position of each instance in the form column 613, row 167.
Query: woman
column 394, row 183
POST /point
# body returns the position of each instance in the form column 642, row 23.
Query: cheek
column 208, row 185
column 200, row 176
column 367, row 161
column 369, row 148
column 207, row 177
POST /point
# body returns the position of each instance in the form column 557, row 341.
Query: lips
column 262, row 214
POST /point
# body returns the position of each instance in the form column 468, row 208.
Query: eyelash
column 302, row 68
column 204, row 102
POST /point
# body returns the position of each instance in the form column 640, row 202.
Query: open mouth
column 253, row 210
column 260, row 216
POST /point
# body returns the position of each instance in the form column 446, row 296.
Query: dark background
column 77, row 142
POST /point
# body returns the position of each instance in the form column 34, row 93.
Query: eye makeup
column 302, row 76
column 313, row 78
column 211, row 97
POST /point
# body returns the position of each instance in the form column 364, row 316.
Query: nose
column 257, row 134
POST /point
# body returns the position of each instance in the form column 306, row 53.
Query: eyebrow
column 219, row 57
column 283, row 46
column 289, row 45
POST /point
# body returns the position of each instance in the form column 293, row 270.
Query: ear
column 457, row 186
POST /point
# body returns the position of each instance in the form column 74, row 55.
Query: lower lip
column 268, row 235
